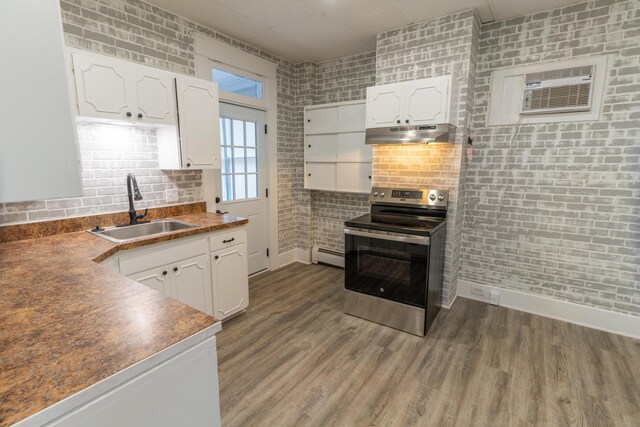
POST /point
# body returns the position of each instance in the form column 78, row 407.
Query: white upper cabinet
column 336, row 156
column 199, row 118
column 321, row 120
column 385, row 105
column 39, row 156
column 184, row 110
column 112, row 89
column 418, row 102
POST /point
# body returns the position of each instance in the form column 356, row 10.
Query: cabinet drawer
column 162, row 254
column 228, row 238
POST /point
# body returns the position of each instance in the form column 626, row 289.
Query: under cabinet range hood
column 411, row 134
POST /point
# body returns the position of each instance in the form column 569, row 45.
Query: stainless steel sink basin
column 130, row 232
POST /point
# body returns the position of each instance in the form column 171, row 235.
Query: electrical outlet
column 477, row 291
column 172, row 195
column 494, row 297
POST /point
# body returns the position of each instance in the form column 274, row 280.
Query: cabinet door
column 320, row 176
column 351, row 147
column 192, row 283
column 39, row 156
column 230, row 280
column 384, row 105
column 155, row 96
column 199, row 119
column 321, row 147
column 321, row 120
column 354, row 177
column 101, row 88
column 427, row 101
column 352, row 117
column 155, row 278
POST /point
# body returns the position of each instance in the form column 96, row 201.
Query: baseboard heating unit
column 326, row 256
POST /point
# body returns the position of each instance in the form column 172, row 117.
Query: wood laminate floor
column 294, row 359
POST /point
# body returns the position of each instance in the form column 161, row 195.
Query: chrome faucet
column 134, row 194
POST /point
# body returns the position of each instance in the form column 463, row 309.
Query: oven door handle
column 416, row 240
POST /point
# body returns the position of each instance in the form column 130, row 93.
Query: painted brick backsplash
column 570, row 226
column 108, row 153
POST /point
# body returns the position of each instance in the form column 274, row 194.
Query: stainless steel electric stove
column 394, row 258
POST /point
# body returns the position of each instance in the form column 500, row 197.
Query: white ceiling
column 315, row 30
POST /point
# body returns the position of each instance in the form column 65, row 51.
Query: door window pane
column 251, row 161
column 230, row 82
column 241, row 187
column 251, row 134
column 252, row 186
column 239, row 159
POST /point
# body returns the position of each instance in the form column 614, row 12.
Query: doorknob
column 217, row 199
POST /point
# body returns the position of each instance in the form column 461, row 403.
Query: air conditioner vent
column 558, row 91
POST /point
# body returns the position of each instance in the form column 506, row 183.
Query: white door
column 384, row 106
column 102, row 88
column 229, row 269
column 192, row 283
column 155, row 97
column 242, row 183
column 155, row 278
column 197, row 104
column 427, row 101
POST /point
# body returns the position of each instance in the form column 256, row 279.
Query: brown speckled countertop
column 66, row 322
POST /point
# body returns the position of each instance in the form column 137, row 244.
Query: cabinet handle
column 309, row 174
column 139, row 115
column 164, row 273
column 188, row 165
column 175, row 268
column 308, row 120
column 369, row 176
column 128, row 113
column 229, row 241
column 406, row 121
column 216, row 257
column 398, row 121
column 309, row 145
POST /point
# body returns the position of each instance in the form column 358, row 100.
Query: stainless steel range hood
column 414, row 134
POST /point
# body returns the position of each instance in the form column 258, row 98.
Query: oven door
column 392, row 266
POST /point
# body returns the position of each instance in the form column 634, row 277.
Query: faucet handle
column 140, row 216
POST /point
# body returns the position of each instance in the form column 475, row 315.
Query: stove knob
column 440, row 197
column 381, row 194
column 375, row 194
column 432, row 197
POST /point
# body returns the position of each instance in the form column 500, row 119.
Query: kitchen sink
column 124, row 233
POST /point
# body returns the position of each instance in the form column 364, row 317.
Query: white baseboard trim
column 324, row 256
column 294, row 255
column 286, row 258
column 303, row 256
column 448, row 306
column 592, row 317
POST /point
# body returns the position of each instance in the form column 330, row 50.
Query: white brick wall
column 432, row 48
column 570, row 226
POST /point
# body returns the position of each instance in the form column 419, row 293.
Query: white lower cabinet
column 179, row 391
column 197, row 271
column 156, row 278
column 230, row 271
column 191, row 283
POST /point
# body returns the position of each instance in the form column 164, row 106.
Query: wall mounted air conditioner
column 564, row 90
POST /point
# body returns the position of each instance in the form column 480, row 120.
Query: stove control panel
column 417, row 197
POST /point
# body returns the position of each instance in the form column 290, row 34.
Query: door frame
column 209, row 52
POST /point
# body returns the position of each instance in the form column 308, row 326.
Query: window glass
column 239, row 159
column 230, row 82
